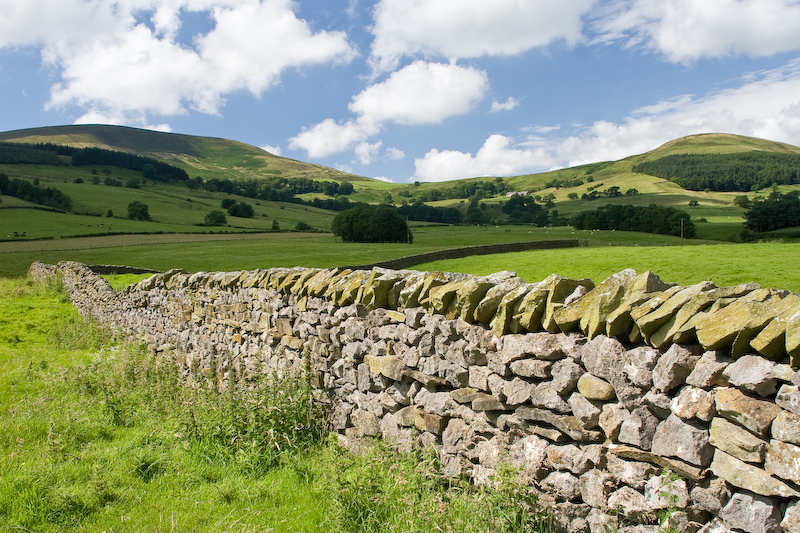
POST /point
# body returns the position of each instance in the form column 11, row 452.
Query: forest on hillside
column 745, row 171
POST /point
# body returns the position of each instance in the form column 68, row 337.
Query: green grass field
column 770, row 264
column 96, row 436
column 244, row 252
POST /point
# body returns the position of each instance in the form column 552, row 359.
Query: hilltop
column 209, row 157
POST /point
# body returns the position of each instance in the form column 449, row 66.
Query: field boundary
column 466, row 251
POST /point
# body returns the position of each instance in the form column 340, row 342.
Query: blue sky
column 407, row 90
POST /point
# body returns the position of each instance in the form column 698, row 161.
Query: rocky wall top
column 637, row 309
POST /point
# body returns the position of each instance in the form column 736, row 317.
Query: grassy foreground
column 97, row 436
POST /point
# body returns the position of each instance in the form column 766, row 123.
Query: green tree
column 215, row 218
column 276, row 226
column 371, row 224
column 138, row 211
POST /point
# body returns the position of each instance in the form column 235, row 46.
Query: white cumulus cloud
column 274, row 150
column 366, row 153
column 470, row 28
column 687, row 30
column 497, row 157
column 112, row 62
column 420, row 93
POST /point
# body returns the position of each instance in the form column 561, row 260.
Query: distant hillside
column 208, row 157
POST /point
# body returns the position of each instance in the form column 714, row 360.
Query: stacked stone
column 634, row 404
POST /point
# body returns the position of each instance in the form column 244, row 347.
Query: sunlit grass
column 97, row 436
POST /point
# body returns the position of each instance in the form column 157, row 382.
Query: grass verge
column 97, row 436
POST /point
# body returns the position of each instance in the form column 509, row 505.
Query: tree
column 371, row 224
column 241, row 209
column 693, row 203
column 215, row 218
column 227, row 203
column 276, row 226
column 138, row 211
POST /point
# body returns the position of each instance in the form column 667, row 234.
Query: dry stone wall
column 632, row 405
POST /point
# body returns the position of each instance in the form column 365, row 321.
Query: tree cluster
column 463, row 190
column 237, row 209
column 774, row 212
column 746, row 171
column 149, row 167
column 25, row 190
column 371, row 224
column 421, row 212
column 524, row 210
column 650, row 219
column 14, row 154
column 611, row 192
column 275, row 189
column 138, row 211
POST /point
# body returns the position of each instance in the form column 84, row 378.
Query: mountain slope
column 208, row 157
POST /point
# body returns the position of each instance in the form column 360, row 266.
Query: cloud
column 687, row 30
column 366, row 153
column 508, row 105
column 394, row 154
column 420, row 93
column 497, row 157
column 330, row 137
column 765, row 104
column 274, row 150
column 470, row 28
column 111, row 61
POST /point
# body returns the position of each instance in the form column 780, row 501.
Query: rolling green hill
column 177, row 209
column 208, row 157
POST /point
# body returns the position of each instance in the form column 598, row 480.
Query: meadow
column 196, row 252
column 96, row 436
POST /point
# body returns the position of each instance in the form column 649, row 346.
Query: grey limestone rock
column 786, row 427
column 639, row 428
column 693, row 402
column 752, row 513
column 674, row 367
column 752, row 373
column 596, row 486
column 711, row 495
column 585, row 411
column 563, row 485
column 788, row 397
column 676, row 438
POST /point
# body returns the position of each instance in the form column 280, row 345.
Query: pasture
column 195, row 252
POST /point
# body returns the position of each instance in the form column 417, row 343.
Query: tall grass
column 98, row 436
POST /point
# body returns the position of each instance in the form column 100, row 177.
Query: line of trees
column 31, row 192
column 14, row 154
column 650, row 219
column 746, row 171
column 461, row 190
